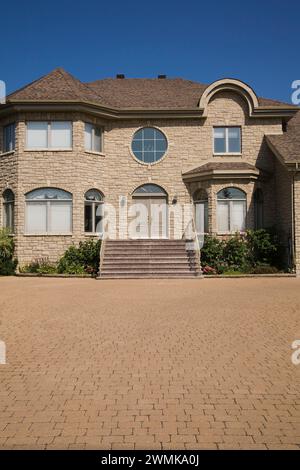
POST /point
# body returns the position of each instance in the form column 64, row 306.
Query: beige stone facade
column 116, row 172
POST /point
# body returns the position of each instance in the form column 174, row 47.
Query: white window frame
column 92, row 150
column 93, row 203
column 47, row 202
column 230, row 203
column 49, row 148
column 227, row 140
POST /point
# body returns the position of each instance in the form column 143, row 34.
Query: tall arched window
column 201, row 211
column 48, row 211
column 231, row 210
column 258, row 209
column 8, row 209
column 93, row 211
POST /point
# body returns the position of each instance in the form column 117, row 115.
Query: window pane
column 60, row 217
column 238, row 216
column 149, row 157
column 219, row 140
column 93, row 195
column 231, row 193
column 88, row 218
column 48, row 193
column 37, row 135
column 36, row 217
column 61, row 134
column 148, row 145
column 149, row 133
column 223, row 216
column 9, row 138
column 234, row 141
column 88, row 136
column 99, row 218
column 200, row 217
column 97, row 140
column 9, row 216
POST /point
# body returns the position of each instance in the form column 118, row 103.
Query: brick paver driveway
column 149, row 364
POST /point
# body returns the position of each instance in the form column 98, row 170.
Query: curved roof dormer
column 229, row 84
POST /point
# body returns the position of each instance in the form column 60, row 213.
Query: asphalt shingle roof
column 135, row 93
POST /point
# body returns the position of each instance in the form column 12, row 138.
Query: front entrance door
column 151, row 217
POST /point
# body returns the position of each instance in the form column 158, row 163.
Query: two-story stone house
column 69, row 149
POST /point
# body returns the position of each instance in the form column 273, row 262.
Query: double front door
column 151, row 220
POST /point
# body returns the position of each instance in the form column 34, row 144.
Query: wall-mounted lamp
column 174, row 200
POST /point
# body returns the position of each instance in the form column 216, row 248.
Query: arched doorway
column 150, row 212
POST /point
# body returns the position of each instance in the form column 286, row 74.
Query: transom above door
column 149, row 212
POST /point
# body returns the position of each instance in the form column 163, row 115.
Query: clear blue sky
column 256, row 41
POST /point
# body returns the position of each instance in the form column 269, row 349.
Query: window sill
column 93, row 234
column 100, row 154
column 232, row 233
column 48, row 234
column 4, row 154
column 237, row 154
column 48, row 150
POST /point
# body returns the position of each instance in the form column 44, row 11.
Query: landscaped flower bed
column 255, row 252
column 79, row 261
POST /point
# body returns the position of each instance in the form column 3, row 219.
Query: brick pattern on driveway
column 149, row 364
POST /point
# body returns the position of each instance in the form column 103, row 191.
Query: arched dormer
column 229, row 84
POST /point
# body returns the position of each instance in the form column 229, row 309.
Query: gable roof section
column 287, row 145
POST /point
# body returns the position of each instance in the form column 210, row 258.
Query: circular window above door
column 149, row 145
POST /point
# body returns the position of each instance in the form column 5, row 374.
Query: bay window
column 49, row 135
column 92, row 138
column 227, row 140
column 93, row 211
column 231, row 210
column 48, row 211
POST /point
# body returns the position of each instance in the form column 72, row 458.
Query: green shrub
column 82, row 259
column 39, row 266
column 212, row 253
column 264, row 247
column 8, row 262
column 258, row 252
column 236, row 253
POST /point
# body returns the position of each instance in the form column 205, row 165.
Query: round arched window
column 149, row 145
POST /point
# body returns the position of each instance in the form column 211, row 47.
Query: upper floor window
column 9, row 138
column 48, row 211
column 8, row 209
column 231, row 210
column 92, row 138
column 49, row 135
column 149, row 145
column 227, row 140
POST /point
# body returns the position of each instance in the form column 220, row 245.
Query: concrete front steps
column 126, row 259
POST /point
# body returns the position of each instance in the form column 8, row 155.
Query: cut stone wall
column 117, row 173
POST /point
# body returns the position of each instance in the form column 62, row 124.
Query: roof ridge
column 37, row 80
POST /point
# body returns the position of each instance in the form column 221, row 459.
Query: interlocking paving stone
column 149, row 364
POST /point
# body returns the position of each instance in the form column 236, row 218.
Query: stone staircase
column 126, row 259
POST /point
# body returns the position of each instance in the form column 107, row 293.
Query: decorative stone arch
column 229, row 84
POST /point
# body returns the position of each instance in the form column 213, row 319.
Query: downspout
column 293, row 217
